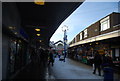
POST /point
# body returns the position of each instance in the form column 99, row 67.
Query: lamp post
column 64, row 29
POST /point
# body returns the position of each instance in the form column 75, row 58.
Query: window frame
column 81, row 36
column 85, row 33
column 103, row 22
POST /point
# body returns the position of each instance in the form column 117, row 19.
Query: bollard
column 108, row 74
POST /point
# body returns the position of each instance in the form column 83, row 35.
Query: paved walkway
column 71, row 70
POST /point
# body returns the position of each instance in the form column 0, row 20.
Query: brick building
column 103, row 35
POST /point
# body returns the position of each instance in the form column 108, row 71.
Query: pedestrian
column 97, row 63
column 59, row 56
column 106, row 61
column 51, row 58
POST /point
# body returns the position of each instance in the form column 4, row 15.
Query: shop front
column 17, row 55
column 12, row 55
column 116, row 56
column 87, row 51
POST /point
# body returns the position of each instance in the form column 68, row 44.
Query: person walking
column 51, row 58
column 97, row 63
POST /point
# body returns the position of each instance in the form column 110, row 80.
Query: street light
column 39, row 2
column 64, row 29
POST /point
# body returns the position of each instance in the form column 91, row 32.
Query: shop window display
column 12, row 52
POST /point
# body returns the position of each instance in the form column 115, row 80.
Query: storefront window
column 117, row 52
column 12, row 52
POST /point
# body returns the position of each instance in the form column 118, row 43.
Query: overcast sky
column 85, row 15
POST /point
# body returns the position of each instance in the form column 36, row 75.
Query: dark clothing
column 107, row 67
column 59, row 56
column 97, row 63
column 107, row 61
column 99, row 69
column 51, row 59
column 97, row 59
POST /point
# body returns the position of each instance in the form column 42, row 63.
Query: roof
column 47, row 17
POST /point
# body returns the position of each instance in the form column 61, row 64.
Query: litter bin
column 108, row 74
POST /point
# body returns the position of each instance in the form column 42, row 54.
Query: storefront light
column 16, row 33
column 11, row 28
column 40, row 41
column 39, row 2
column 38, row 34
column 37, row 29
column 97, row 43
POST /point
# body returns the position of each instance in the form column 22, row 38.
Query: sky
column 85, row 15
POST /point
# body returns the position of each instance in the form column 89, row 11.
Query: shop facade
column 103, row 38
